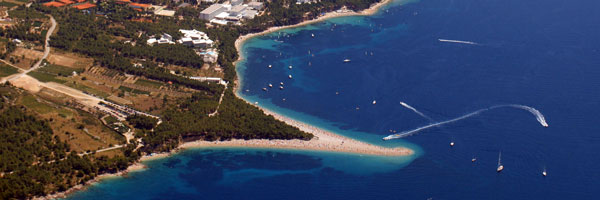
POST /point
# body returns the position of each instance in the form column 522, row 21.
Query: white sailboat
column 451, row 144
column 500, row 166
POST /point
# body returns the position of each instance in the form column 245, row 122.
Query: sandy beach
column 324, row 140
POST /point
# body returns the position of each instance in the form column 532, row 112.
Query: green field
column 86, row 89
column 45, row 77
column 60, row 70
column 148, row 83
column 31, row 102
column 7, row 4
column 135, row 91
column 6, row 70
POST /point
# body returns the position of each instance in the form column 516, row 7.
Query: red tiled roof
column 79, row 1
column 84, row 6
column 53, row 4
column 67, row 2
column 139, row 5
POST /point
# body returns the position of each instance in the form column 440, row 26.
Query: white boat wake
column 416, row 111
column 458, row 41
column 538, row 115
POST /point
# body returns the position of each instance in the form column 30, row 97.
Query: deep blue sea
column 540, row 53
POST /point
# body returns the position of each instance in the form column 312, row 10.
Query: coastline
column 352, row 145
column 323, row 141
column 366, row 12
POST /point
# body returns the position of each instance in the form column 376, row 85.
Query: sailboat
column 500, row 166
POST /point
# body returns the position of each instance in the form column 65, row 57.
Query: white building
column 237, row 2
column 249, row 14
column 256, row 5
column 212, row 11
column 195, row 39
column 164, row 39
column 237, row 10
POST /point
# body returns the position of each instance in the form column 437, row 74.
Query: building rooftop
column 53, row 4
column 212, row 9
column 183, row 5
column 141, row 5
column 238, row 8
column 84, row 6
column 66, row 2
column 254, row 3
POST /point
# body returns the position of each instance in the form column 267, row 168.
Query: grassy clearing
column 148, row 83
column 135, row 91
column 7, row 4
column 60, row 70
column 86, row 89
column 6, row 70
column 32, row 103
column 45, row 77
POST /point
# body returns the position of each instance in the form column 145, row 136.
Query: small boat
column 374, row 102
column 256, row 103
column 312, row 35
column 247, row 90
column 337, row 93
column 473, row 159
column 283, row 99
column 281, row 87
column 290, row 76
column 280, row 83
column 270, row 66
column 500, row 166
column 290, row 67
column 270, row 85
column 346, row 60
column 451, row 144
column 264, row 89
column 544, row 173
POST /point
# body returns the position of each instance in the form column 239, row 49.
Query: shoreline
column 314, row 144
column 373, row 9
column 323, row 141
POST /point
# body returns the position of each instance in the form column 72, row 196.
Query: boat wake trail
column 415, row 110
column 458, row 41
column 538, row 115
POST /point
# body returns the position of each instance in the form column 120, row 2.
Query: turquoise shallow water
column 540, row 53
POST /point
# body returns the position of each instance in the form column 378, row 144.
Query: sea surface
column 540, row 53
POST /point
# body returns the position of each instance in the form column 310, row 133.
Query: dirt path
column 46, row 52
